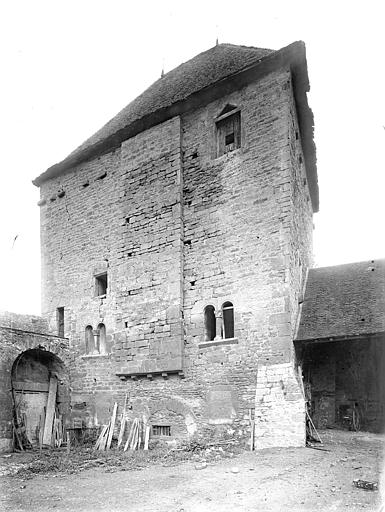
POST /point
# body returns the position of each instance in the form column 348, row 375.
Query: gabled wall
column 177, row 229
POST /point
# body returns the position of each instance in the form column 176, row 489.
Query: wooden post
column 122, row 423
column 51, row 403
column 147, row 437
column 68, row 442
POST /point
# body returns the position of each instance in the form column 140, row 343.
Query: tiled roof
column 342, row 301
column 177, row 85
column 202, row 79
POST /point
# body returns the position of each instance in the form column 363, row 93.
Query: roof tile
column 344, row 300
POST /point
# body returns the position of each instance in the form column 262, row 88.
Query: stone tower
column 175, row 247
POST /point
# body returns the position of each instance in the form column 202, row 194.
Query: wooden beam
column 30, row 386
column 51, row 403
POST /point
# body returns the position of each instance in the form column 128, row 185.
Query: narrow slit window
column 102, row 349
column 101, row 284
column 210, row 325
column 60, row 322
column 89, row 340
column 228, row 320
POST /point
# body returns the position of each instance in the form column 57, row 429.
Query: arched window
column 228, row 320
column 102, row 349
column 210, row 327
column 89, row 340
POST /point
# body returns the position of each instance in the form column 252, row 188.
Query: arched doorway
column 36, row 374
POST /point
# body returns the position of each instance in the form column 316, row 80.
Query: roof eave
column 293, row 56
column 345, row 337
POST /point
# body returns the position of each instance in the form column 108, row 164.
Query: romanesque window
column 228, row 130
column 210, row 323
column 228, row 320
column 101, row 284
column 60, row 322
column 89, row 339
column 101, row 344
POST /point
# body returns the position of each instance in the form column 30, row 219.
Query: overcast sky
column 69, row 66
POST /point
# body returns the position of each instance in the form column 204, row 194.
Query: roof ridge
column 246, row 46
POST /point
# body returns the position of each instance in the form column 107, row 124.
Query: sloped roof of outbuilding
column 224, row 67
column 344, row 301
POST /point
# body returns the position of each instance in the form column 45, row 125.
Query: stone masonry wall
column 178, row 229
column 243, row 231
column 279, row 408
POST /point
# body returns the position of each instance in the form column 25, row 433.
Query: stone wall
column 177, row 229
column 279, row 408
column 18, row 334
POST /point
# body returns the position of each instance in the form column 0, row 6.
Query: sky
column 70, row 66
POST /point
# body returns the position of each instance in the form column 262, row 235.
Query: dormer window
column 228, row 130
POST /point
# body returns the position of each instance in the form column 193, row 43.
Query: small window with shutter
column 228, row 130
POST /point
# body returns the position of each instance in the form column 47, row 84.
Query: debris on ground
column 364, row 484
column 59, row 460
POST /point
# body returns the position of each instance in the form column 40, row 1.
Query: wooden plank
column 41, row 429
column 68, row 442
column 113, row 419
column 20, row 386
column 103, row 442
column 121, row 433
column 122, row 423
column 147, row 437
column 135, row 435
column 51, row 403
column 102, row 434
column 129, row 436
column 252, row 424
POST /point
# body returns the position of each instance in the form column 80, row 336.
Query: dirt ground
column 291, row 479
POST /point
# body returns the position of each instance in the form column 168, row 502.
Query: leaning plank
column 103, row 442
column 121, row 433
column 51, row 402
column 147, row 437
column 41, row 429
column 133, row 433
column 135, row 436
column 122, row 423
column 113, row 419
column 129, row 436
column 104, row 430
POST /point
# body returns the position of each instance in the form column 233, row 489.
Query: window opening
column 228, row 320
column 89, row 339
column 228, row 131
column 229, row 139
column 60, row 322
column 161, row 430
column 210, row 324
column 102, row 349
column 101, row 284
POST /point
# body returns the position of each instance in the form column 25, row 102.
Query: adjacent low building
column 341, row 340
